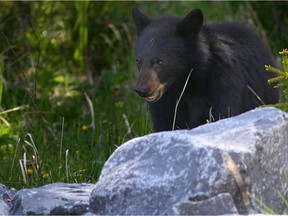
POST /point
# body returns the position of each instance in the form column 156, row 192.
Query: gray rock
column 5, row 199
column 218, row 205
column 52, row 199
column 155, row 173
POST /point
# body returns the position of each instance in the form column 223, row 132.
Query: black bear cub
column 226, row 63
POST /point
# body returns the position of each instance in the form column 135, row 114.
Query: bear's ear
column 140, row 20
column 191, row 24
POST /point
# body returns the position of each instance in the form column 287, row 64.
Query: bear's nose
column 142, row 92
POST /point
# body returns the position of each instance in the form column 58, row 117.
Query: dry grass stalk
column 177, row 103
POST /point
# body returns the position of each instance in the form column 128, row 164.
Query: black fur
column 227, row 60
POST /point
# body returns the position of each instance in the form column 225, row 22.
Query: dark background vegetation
column 66, row 81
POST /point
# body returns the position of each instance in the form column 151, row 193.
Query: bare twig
column 256, row 95
column 9, row 45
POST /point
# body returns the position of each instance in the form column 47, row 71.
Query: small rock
column 52, row 199
column 5, row 199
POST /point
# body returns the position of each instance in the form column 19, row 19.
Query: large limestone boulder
column 240, row 161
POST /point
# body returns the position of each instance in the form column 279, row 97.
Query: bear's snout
column 141, row 91
column 147, row 83
column 149, row 86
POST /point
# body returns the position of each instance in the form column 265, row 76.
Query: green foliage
column 272, row 16
column 82, row 28
column 281, row 79
column 1, row 78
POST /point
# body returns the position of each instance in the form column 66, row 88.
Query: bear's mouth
column 157, row 94
column 154, row 97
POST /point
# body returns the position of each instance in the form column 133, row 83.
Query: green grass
column 67, row 129
column 56, row 145
column 43, row 83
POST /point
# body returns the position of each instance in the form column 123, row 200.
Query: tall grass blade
column 284, row 200
column 5, row 121
column 90, row 103
column 1, row 87
column 14, row 157
column 32, row 144
column 115, row 31
column 66, row 164
column 265, row 207
column 23, row 172
column 14, row 109
column 25, row 162
column 62, row 133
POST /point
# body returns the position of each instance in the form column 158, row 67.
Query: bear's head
column 166, row 50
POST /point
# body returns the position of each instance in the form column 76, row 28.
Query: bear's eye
column 159, row 61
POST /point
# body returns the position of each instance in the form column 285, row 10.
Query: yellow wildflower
column 29, row 171
column 45, row 175
column 85, row 128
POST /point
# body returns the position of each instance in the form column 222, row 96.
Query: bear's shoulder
column 239, row 32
